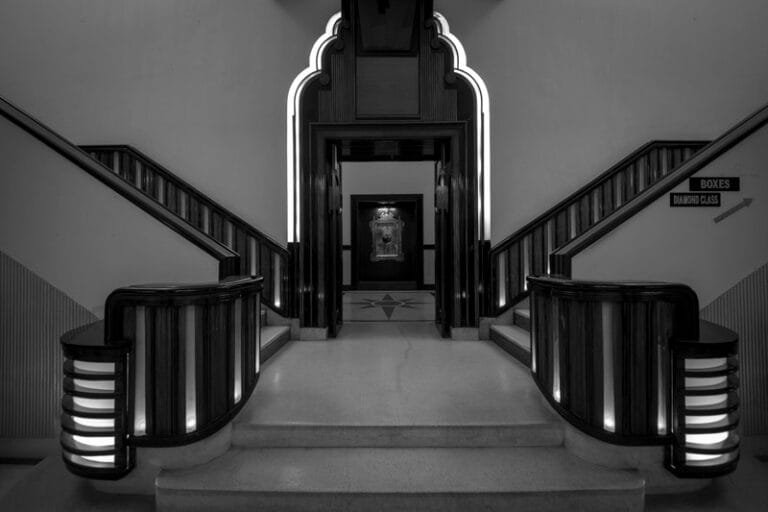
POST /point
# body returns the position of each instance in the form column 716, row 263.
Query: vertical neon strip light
column 139, row 400
column 483, row 128
column 238, row 330
column 609, row 408
column 293, row 126
column 190, row 379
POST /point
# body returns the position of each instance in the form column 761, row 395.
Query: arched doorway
column 388, row 71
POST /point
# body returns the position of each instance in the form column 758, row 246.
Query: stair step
column 391, row 479
column 522, row 318
column 514, row 340
column 391, row 436
column 273, row 338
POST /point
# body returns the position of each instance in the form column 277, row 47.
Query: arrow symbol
column 730, row 211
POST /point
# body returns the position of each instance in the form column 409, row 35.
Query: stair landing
column 392, row 417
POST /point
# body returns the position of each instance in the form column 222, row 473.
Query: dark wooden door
column 443, row 245
column 334, row 262
column 387, row 242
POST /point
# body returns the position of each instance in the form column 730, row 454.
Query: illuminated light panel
column 502, row 266
column 700, row 401
column 95, row 385
column 483, row 129
column 276, row 278
column 661, row 411
column 94, row 422
column 96, row 442
column 609, row 411
column 705, row 364
column 696, row 382
column 104, row 459
column 91, row 460
column 89, row 366
column 293, row 125
column 140, row 377
column 700, row 457
column 238, row 332
column 713, row 438
column 190, row 378
column 94, row 403
column 555, row 349
column 703, row 420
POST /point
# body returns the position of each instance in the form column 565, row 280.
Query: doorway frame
column 320, row 285
column 354, row 200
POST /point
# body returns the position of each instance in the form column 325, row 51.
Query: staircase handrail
column 560, row 260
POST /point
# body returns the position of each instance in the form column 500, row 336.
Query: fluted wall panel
column 33, row 315
column 744, row 309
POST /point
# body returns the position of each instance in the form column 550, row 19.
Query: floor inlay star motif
column 388, row 304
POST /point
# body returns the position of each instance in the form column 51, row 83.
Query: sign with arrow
column 730, row 211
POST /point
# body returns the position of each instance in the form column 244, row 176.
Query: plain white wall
column 685, row 244
column 201, row 85
column 391, row 178
column 79, row 235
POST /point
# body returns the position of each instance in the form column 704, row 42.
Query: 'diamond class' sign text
column 694, row 199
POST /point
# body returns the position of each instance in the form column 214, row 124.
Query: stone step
column 391, row 479
column 514, row 340
column 522, row 318
column 397, row 436
column 273, row 338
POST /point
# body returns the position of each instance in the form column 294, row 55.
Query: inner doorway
column 389, row 241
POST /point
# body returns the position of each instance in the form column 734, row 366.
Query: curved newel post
column 626, row 364
column 182, row 362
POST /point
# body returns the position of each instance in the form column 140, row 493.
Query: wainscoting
column 33, row 315
column 743, row 310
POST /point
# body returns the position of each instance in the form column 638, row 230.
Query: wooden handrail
column 593, row 184
column 183, row 184
column 168, row 366
column 629, row 363
column 259, row 254
column 228, row 260
column 526, row 252
column 561, row 259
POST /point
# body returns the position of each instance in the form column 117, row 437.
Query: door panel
column 443, row 246
column 334, row 264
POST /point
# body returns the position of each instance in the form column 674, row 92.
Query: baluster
column 160, row 189
column 501, row 278
column 514, row 284
column 138, row 178
column 597, row 204
column 184, row 204
column 643, row 179
column 205, row 219
column 229, row 236
column 253, row 256
column 549, row 241
column 618, row 189
column 573, row 215
column 115, row 163
column 526, row 260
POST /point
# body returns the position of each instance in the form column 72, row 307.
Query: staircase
column 309, row 442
